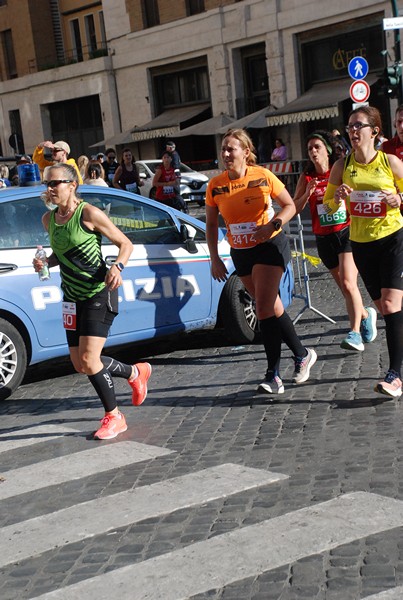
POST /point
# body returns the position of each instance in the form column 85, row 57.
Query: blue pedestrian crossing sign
column 358, row 67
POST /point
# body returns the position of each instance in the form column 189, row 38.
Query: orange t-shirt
column 244, row 203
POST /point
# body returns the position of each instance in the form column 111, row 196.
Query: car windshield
column 153, row 166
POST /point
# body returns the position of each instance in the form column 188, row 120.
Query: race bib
column 168, row 189
column 242, row 234
column 131, row 187
column 328, row 220
column 69, row 311
column 367, row 204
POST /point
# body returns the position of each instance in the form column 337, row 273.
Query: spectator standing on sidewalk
column 260, row 250
column 60, row 154
column 367, row 180
column 90, row 291
column 280, row 150
column 332, row 233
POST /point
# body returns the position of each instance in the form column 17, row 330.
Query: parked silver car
column 193, row 184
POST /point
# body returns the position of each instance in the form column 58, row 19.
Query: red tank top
column 168, row 191
column 322, row 223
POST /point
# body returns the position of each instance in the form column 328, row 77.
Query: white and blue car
column 167, row 286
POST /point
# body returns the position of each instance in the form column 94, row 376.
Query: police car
column 167, row 286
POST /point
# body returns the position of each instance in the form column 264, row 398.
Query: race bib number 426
column 367, row 204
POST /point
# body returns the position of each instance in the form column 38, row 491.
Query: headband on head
column 322, row 139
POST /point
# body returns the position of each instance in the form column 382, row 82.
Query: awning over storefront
column 168, row 123
column 208, row 127
column 255, row 120
column 321, row 101
column 124, row 137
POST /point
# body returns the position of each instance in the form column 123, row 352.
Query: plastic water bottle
column 44, row 272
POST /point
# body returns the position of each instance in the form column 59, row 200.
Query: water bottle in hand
column 44, row 272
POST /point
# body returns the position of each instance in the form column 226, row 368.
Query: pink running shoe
column 391, row 385
column 139, row 385
column 111, row 426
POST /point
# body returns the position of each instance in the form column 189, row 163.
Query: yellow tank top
column 371, row 219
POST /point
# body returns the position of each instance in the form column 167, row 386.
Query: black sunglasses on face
column 55, row 182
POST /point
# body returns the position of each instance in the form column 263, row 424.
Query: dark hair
column 399, row 109
column 330, row 143
column 110, row 150
column 374, row 118
column 122, row 162
column 246, row 142
column 166, row 153
column 95, row 167
column 280, row 140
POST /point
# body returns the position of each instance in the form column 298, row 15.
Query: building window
column 8, row 53
column 102, row 28
column 185, row 87
column 76, row 40
column 90, row 33
column 254, row 94
column 151, row 15
column 194, row 7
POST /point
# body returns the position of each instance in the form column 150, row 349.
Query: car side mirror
column 188, row 233
column 143, row 175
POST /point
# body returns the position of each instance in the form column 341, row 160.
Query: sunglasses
column 55, row 182
column 357, row 126
column 111, row 157
column 54, row 150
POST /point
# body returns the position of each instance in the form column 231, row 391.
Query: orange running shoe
column 139, row 385
column 111, row 426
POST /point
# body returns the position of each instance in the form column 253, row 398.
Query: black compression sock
column 103, row 385
column 116, row 368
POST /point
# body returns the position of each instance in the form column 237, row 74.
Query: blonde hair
column 245, row 141
column 69, row 172
column 82, row 162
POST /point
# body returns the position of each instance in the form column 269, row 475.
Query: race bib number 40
column 69, row 315
column 242, row 234
column 367, row 204
column 328, row 220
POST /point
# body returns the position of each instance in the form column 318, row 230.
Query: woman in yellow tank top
column 370, row 182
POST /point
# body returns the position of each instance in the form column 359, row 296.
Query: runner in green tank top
column 90, row 291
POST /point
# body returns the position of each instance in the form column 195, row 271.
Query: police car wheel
column 13, row 359
column 237, row 312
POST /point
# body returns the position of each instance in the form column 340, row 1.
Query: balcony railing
column 69, row 57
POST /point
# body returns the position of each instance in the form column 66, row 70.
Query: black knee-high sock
column 103, row 385
column 394, row 340
column 116, row 368
column 271, row 338
column 289, row 336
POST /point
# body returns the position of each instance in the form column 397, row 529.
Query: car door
column 165, row 287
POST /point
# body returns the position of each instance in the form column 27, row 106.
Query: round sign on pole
column 359, row 91
column 358, row 68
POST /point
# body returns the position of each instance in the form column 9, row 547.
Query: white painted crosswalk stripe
column 33, row 435
column 247, row 552
column 75, row 466
column 393, row 594
column 24, row 540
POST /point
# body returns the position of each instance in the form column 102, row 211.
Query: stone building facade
column 135, row 72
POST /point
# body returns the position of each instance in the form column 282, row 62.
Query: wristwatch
column 119, row 266
column 277, row 223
